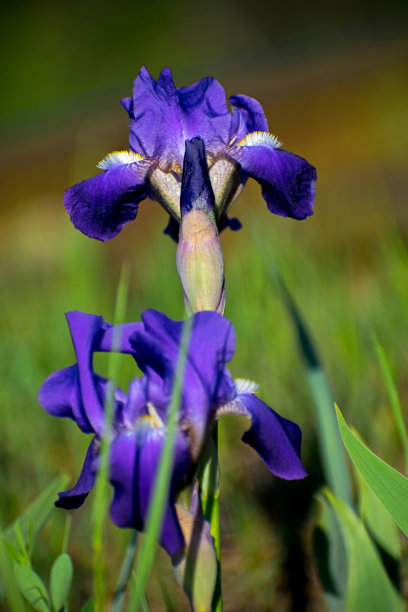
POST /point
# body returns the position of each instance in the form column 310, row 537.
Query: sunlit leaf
column 390, row 486
column 368, row 586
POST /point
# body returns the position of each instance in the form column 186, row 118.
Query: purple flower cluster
column 140, row 417
column 238, row 145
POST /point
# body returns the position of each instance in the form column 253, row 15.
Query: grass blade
column 393, row 396
column 158, row 501
column 100, row 505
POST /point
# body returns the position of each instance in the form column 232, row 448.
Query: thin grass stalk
column 100, row 505
column 393, row 397
column 125, row 571
column 159, row 497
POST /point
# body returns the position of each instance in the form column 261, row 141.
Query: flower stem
column 119, row 596
column 210, row 498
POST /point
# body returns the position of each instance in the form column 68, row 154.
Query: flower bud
column 196, row 569
column 200, row 263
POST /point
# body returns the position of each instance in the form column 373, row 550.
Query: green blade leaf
column 32, row 587
column 390, row 486
column 89, row 606
column 33, row 519
column 60, row 581
column 368, row 586
column 158, row 499
column 393, row 396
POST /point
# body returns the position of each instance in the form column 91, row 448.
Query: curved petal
column 85, row 329
column 60, row 395
column 276, row 440
column 287, row 180
column 162, row 117
column 75, row 497
column 248, row 116
column 101, row 206
column 207, row 381
column 135, row 458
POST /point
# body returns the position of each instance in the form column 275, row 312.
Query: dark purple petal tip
column 101, row 206
column 276, row 440
column 75, row 497
column 287, row 180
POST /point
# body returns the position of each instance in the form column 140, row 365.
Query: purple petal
column 248, row 116
column 163, row 117
column 85, row 329
column 75, row 497
column 135, row 458
column 207, row 380
column 101, row 206
column 287, row 180
column 275, row 439
column 60, row 395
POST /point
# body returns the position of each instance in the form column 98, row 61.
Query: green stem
column 210, row 497
column 119, row 596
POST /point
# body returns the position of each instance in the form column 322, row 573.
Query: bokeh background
column 333, row 82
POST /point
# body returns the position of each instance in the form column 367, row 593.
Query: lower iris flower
column 140, row 416
column 162, row 117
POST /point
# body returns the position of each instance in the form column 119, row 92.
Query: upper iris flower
column 140, row 417
column 238, row 145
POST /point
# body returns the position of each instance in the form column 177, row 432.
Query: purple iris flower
column 238, row 145
column 140, row 417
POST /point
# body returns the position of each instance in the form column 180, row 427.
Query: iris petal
column 101, row 206
column 287, row 180
column 276, row 440
column 248, row 116
column 135, row 458
column 75, row 497
column 162, row 117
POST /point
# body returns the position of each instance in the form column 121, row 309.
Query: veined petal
column 163, row 117
column 101, row 206
column 276, row 440
column 60, row 395
column 84, row 330
column 207, row 380
column 75, row 497
column 287, row 180
column 135, row 458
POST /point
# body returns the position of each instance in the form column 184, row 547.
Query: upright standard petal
column 135, row 458
column 163, row 117
column 101, row 206
column 276, row 440
column 207, row 381
column 248, row 116
column 287, row 180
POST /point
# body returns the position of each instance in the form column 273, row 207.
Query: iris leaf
column 390, row 486
column 368, row 586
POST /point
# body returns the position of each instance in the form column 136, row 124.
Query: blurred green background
column 333, row 82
